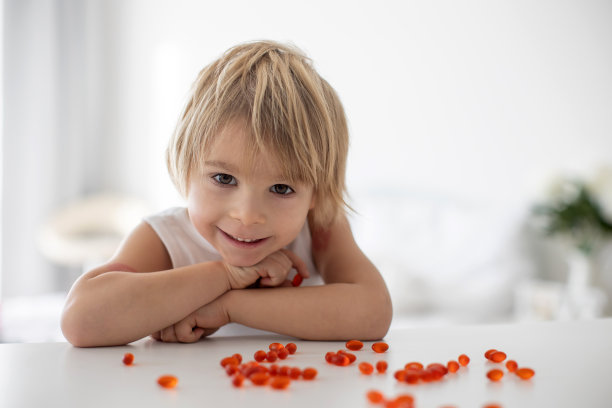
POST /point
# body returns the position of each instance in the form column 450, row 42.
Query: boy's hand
column 201, row 323
column 272, row 270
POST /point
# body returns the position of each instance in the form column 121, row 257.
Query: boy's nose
column 248, row 210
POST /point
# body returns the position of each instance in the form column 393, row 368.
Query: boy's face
column 245, row 212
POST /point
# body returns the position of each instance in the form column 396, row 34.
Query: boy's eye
column 282, row 189
column 223, row 178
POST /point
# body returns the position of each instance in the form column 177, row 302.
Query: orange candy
column 452, row 366
column 229, row 361
column 511, row 365
column 238, row 357
column 275, row 346
column 283, row 353
column 260, row 355
column 366, row 368
column 309, row 373
column 492, row 406
column 295, row 373
column 464, row 360
column 260, row 378
column 497, row 356
column 238, row 380
column 414, row 365
column 340, row 359
column 291, row 348
column 128, row 358
column 167, row 381
column 350, row 356
column 280, row 383
column 525, row 373
column 354, row 345
column 380, row 347
column 381, row 367
column 375, row 397
column 272, row 356
column 495, row 374
column 488, row 353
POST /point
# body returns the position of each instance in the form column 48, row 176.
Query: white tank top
column 187, row 247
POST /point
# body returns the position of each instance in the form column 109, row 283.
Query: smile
column 243, row 242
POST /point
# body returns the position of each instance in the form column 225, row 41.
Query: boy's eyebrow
column 220, row 164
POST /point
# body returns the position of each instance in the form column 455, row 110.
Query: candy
column 463, row 359
column 275, row 346
column 497, row 356
column 309, row 373
column 229, row 361
column 283, row 353
column 260, row 378
column 167, row 381
column 488, row 353
column 295, row 373
column 354, row 345
column 272, row 356
column 128, row 358
column 452, row 366
column 291, row 348
column 280, row 383
column 525, row 373
column 495, row 374
column 260, row 355
column 375, row 397
column 238, row 380
column 366, row 368
column 380, row 347
column 381, row 367
column 511, row 365
column 414, row 365
column 297, row 280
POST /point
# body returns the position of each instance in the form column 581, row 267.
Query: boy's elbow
column 75, row 329
column 383, row 317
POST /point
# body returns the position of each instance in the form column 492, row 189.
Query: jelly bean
column 438, row 367
column 229, row 361
column 495, row 374
column 350, row 356
column 284, row 371
column 412, row 376
column 309, row 373
column 237, row 357
column 525, row 373
column 275, row 346
column 238, row 380
column 375, row 397
column 297, row 280
column 273, row 370
column 463, row 359
column 404, row 399
column 283, row 353
column 260, row 378
column 366, row 368
column 128, row 358
column 380, row 347
column 498, row 356
column 231, row 369
column 329, row 356
column 295, row 373
column 400, row 375
column 488, row 353
column 291, row 347
column 452, row 366
column 260, row 355
column 381, row 367
column 492, row 406
column 272, row 356
column 414, row 365
column 354, row 345
column 280, row 383
column 167, row 381
column 511, row 365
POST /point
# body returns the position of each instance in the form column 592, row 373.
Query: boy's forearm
column 336, row 311
column 120, row 307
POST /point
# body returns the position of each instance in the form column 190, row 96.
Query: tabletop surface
column 572, row 360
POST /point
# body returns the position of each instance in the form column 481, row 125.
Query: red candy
column 309, row 373
column 380, row 347
column 238, row 380
column 525, row 373
column 260, row 355
column 495, row 374
column 511, row 365
column 280, row 383
column 297, row 280
column 381, row 367
column 229, row 361
column 497, row 356
column 354, row 345
column 128, row 358
column 375, row 397
column 275, row 346
column 452, row 366
column 291, row 348
column 283, row 353
column 463, row 359
column 366, row 368
column 260, row 378
column 167, row 381
column 272, row 356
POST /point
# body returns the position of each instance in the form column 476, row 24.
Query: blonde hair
column 287, row 108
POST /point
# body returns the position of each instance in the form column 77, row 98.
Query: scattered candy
column 354, row 345
column 497, row 356
column 380, row 347
column 525, row 373
column 463, row 359
column 260, row 355
column 366, row 368
column 495, row 374
column 297, row 280
column 291, row 348
column 511, row 365
column 309, row 373
column 375, row 396
column 167, row 381
column 452, row 366
column 280, row 383
column 128, row 358
column 381, row 367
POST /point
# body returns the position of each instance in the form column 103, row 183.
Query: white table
column 572, row 360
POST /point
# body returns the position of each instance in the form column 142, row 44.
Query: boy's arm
column 354, row 303
column 115, row 304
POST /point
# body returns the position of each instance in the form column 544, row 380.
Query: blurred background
column 480, row 161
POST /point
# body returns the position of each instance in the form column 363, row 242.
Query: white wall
column 469, row 105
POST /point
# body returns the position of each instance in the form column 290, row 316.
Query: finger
column 168, row 335
column 187, row 331
column 297, row 262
